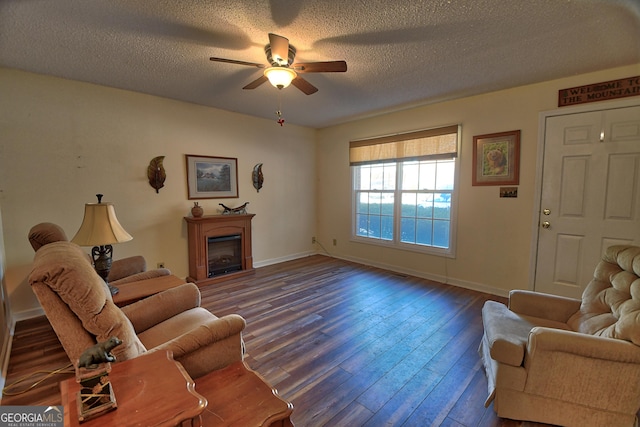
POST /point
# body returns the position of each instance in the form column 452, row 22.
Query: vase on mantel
column 196, row 210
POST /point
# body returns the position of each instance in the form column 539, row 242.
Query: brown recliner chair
column 125, row 270
column 566, row 361
column 79, row 306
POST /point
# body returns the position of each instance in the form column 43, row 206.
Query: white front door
column 590, row 195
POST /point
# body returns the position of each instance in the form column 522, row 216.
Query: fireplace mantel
column 199, row 231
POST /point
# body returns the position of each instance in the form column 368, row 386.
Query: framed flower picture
column 496, row 159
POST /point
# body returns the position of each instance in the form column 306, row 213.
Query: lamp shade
column 100, row 226
column 280, row 77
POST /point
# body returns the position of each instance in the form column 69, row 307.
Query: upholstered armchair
column 79, row 306
column 125, row 270
column 565, row 361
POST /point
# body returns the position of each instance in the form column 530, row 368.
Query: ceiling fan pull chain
column 279, row 111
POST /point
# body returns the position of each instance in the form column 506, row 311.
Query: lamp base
column 102, row 263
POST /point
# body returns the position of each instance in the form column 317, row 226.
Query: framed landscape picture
column 496, row 159
column 212, row 177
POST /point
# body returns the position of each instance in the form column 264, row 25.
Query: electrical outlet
column 161, row 264
column 335, row 242
column 313, row 240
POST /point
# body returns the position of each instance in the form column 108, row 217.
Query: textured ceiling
column 399, row 53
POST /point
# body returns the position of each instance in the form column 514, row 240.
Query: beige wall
column 494, row 234
column 63, row 141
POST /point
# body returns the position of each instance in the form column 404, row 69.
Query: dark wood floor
column 347, row 344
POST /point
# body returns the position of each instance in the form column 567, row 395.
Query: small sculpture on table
column 96, row 394
column 240, row 210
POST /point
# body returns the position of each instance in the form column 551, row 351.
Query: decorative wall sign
column 212, row 177
column 613, row 89
column 496, row 158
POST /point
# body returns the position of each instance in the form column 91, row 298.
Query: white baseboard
column 474, row 286
column 272, row 261
column 5, row 353
column 27, row 314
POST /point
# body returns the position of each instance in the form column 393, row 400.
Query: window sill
column 429, row 250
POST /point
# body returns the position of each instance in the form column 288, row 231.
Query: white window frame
column 396, row 243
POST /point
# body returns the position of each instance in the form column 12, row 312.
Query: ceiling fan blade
column 257, row 82
column 233, row 61
column 304, row 85
column 320, row 67
column 279, row 48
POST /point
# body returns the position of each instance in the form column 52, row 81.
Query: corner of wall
column 7, row 324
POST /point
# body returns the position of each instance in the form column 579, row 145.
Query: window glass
column 425, row 197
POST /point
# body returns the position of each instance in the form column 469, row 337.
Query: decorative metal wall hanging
column 156, row 173
column 257, row 177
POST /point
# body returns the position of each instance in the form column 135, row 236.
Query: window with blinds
column 404, row 189
column 420, row 145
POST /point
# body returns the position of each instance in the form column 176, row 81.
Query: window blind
column 419, row 145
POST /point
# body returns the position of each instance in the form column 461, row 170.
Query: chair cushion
column 65, row 268
column 611, row 301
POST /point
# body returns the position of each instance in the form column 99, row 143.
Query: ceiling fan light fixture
column 280, row 77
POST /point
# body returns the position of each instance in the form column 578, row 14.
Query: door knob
column 546, row 224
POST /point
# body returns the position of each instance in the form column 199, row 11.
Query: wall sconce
column 100, row 228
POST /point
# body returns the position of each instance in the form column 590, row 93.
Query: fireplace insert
column 224, row 254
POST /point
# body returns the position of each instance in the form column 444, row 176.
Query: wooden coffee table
column 239, row 397
column 152, row 389
column 134, row 291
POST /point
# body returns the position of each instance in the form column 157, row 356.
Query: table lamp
column 100, row 228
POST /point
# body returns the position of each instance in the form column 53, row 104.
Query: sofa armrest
column 596, row 371
column 157, row 308
column 207, row 333
column 505, row 333
column 544, row 306
column 210, row 346
column 145, row 275
column 126, row 267
column 585, row 345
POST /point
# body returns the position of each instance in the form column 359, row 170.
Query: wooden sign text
column 613, row 89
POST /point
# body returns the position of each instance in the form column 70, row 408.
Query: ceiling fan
column 283, row 71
